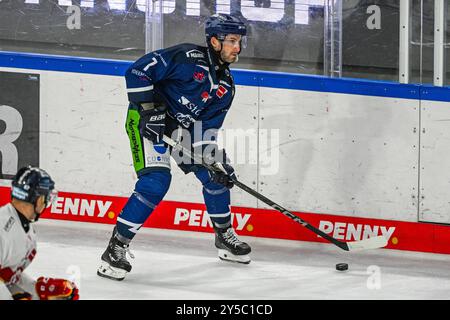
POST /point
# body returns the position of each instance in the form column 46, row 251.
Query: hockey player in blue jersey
column 190, row 87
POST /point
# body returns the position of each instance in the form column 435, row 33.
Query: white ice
column 171, row 265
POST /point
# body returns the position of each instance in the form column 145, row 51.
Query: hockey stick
column 371, row 243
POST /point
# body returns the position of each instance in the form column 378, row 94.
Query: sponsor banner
column 78, row 207
column 19, row 122
column 414, row 236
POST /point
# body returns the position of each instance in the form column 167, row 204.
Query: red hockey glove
column 56, row 289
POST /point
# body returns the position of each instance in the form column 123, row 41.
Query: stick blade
column 367, row 244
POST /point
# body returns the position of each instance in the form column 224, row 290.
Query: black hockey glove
column 223, row 174
column 152, row 123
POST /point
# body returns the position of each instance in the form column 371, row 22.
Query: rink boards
column 356, row 158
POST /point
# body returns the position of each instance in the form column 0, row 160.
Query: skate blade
column 228, row 256
column 106, row 271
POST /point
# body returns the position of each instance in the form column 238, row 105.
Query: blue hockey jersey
column 188, row 80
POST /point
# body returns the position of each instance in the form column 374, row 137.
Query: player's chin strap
column 36, row 214
column 371, row 243
column 48, row 200
column 37, row 217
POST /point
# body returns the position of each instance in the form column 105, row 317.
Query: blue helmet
column 220, row 24
column 30, row 183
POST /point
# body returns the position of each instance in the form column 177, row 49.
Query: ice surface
column 171, row 265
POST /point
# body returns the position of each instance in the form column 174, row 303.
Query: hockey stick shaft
column 363, row 244
column 292, row 216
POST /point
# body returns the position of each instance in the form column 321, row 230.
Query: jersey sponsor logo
column 200, row 218
column 185, row 119
column 200, row 72
column 195, row 54
column 192, row 107
column 350, row 231
column 157, row 159
column 205, row 96
column 221, row 91
column 9, row 224
column 80, row 207
column 138, row 73
column 199, row 76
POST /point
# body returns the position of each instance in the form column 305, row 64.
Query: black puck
column 342, row 266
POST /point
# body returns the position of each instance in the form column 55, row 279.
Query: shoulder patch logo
column 221, row 91
column 195, row 54
column 9, row 224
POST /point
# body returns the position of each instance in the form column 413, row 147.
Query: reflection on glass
column 371, row 39
column 100, row 28
column 285, row 36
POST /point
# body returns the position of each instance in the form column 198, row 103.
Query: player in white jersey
column 32, row 191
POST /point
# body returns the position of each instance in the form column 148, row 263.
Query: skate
column 230, row 247
column 114, row 263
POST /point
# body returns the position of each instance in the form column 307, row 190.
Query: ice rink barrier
column 354, row 157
